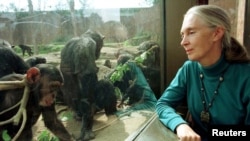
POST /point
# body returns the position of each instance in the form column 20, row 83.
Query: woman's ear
column 218, row 33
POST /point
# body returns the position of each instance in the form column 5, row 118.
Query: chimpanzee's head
column 48, row 84
column 98, row 38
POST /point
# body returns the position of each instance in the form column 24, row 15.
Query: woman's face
column 198, row 39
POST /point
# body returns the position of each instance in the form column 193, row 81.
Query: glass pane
column 133, row 29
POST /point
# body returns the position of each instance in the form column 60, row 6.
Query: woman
column 214, row 81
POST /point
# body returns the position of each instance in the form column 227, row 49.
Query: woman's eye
column 191, row 32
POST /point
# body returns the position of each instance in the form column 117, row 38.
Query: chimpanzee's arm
column 54, row 124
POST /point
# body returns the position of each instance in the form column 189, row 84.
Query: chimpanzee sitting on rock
column 44, row 81
column 80, row 78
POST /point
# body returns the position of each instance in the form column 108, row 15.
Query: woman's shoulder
column 189, row 67
column 243, row 68
column 241, row 65
column 191, row 64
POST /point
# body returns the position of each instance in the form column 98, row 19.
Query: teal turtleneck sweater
column 230, row 107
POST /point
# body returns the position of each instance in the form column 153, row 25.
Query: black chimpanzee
column 10, row 62
column 133, row 93
column 80, row 77
column 44, row 82
column 25, row 48
column 105, row 97
column 32, row 61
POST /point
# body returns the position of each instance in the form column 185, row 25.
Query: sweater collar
column 215, row 69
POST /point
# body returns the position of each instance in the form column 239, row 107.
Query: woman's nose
column 184, row 41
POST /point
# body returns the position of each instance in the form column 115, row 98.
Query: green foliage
column 64, row 116
column 118, row 93
column 50, row 48
column 140, row 59
column 46, row 136
column 122, row 68
column 5, row 136
column 62, row 39
column 17, row 50
column 119, row 73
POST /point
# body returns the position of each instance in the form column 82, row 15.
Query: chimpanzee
column 44, row 81
column 25, row 48
column 105, row 97
column 10, row 62
column 35, row 60
column 151, row 65
column 107, row 63
column 80, row 77
column 135, row 89
column 134, row 93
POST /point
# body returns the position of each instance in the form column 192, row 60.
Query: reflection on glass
column 132, row 30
